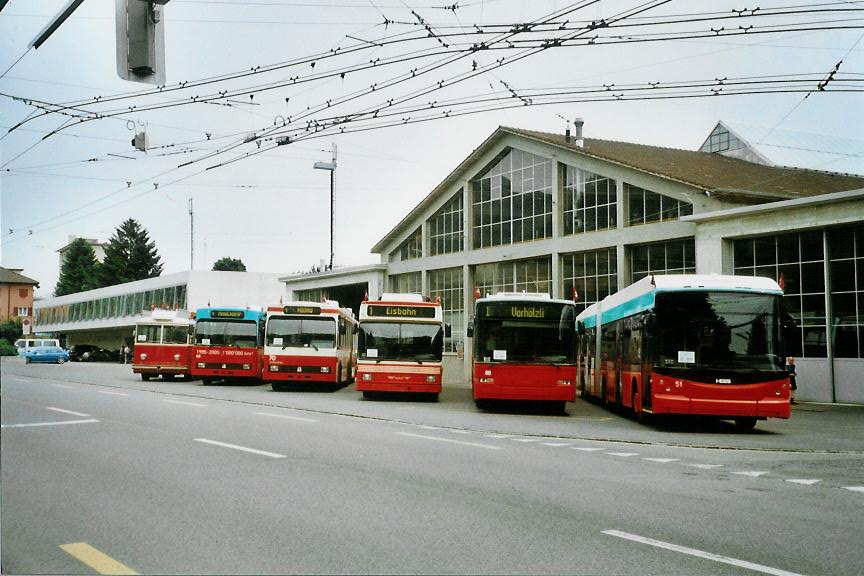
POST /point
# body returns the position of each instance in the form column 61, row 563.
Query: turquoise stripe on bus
column 639, row 304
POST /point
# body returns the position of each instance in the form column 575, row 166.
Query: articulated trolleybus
column 228, row 344
column 309, row 342
column 524, row 349
column 400, row 345
column 688, row 344
column 163, row 345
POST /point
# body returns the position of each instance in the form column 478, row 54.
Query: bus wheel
column 276, row 387
column 368, row 395
column 432, row 397
column 145, row 377
column 482, row 403
column 206, row 381
column 641, row 417
column 557, row 407
column 745, row 424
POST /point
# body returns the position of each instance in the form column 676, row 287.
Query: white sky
column 272, row 211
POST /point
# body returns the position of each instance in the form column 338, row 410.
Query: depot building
column 582, row 218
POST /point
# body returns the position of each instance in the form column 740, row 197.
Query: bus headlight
column 367, row 376
column 564, row 383
column 247, row 366
column 274, row 368
column 430, row 379
column 325, row 370
column 201, row 365
column 143, row 356
column 177, row 357
column 487, row 380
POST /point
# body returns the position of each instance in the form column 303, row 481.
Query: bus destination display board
column 522, row 311
column 393, row 311
column 227, row 314
column 305, row 310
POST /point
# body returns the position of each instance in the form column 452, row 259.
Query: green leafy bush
column 7, row 349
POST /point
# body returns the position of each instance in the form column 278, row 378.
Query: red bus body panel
column 226, row 362
column 384, row 377
column 300, row 368
column 159, row 359
column 524, row 382
column 761, row 400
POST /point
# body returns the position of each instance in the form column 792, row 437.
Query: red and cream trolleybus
column 524, row 348
column 309, row 342
column 708, row 345
column 163, row 345
column 400, row 345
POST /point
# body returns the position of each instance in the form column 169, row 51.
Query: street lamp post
column 331, row 167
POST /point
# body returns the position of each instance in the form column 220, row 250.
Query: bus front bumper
column 763, row 408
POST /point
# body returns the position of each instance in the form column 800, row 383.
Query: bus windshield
column 301, row 332
column 239, row 333
column 517, row 332
column 175, row 335
column 401, row 341
column 723, row 330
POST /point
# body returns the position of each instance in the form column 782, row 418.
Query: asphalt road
column 184, row 479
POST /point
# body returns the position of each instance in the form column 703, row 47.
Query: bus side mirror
column 650, row 322
column 580, row 327
column 469, row 330
column 343, row 328
column 448, row 330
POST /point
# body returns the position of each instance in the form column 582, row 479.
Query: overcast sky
column 271, row 210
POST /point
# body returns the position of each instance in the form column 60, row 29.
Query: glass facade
column 521, row 276
column 172, row 297
column 446, row 233
column 647, row 206
column 411, row 283
column 593, row 274
column 671, row 257
column 720, row 140
column 311, row 295
column 412, row 248
column 512, row 201
column 590, row 201
column 447, row 284
column 802, row 261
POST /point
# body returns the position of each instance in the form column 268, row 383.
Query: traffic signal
column 141, row 40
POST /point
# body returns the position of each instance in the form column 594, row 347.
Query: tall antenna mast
column 191, row 236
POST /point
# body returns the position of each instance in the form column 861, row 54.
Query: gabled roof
column 731, row 178
column 11, row 277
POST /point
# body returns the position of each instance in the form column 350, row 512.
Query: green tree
column 130, row 255
column 11, row 331
column 227, row 264
column 79, row 271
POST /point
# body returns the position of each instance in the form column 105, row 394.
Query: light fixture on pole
column 331, row 166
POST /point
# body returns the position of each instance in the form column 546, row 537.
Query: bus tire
column 206, row 381
column 641, row 415
column 145, row 377
column 745, row 424
column 432, row 397
column 558, row 407
column 276, row 387
column 482, row 403
column 368, row 395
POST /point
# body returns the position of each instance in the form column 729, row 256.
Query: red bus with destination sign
column 163, row 345
column 400, row 346
column 309, row 342
column 524, row 348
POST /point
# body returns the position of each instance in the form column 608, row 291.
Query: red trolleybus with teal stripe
column 400, row 345
column 309, row 342
column 228, row 344
column 524, row 349
column 688, row 344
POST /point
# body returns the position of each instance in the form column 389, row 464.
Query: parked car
column 88, row 353
column 46, row 354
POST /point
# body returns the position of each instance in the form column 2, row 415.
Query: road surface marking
column 286, row 417
column 498, row 436
column 63, row 386
column 101, row 563
column 241, row 448
column 804, row 481
column 461, row 443
column 751, row 473
column 700, row 553
column 705, row 466
column 854, row 488
column 111, row 393
column 429, row 427
column 587, row 449
column 458, row 431
column 623, row 454
column 49, row 423
column 662, row 460
column 556, row 444
column 526, row 439
column 68, row 412
column 185, row 403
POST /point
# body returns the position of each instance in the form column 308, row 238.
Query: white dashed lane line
column 450, row 441
column 556, row 444
column 623, row 454
column 663, row 460
column 704, row 466
column 63, row 423
column 854, row 488
column 287, row 417
column 526, row 440
column 587, row 449
column 240, row 448
column 108, row 393
column 750, row 473
column 196, row 405
column 70, row 412
column 63, row 386
column 804, row 481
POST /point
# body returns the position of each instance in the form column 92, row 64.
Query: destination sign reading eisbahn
column 227, row 314
column 394, row 311
column 305, row 310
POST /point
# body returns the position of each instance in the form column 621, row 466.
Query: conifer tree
column 79, row 271
column 130, row 255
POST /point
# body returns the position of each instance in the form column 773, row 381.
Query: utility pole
column 331, row 166
column 191, row 236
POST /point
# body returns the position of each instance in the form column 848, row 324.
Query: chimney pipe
column 578, row 123
column 567, row 135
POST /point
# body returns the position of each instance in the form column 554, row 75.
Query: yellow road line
column 98, row 561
